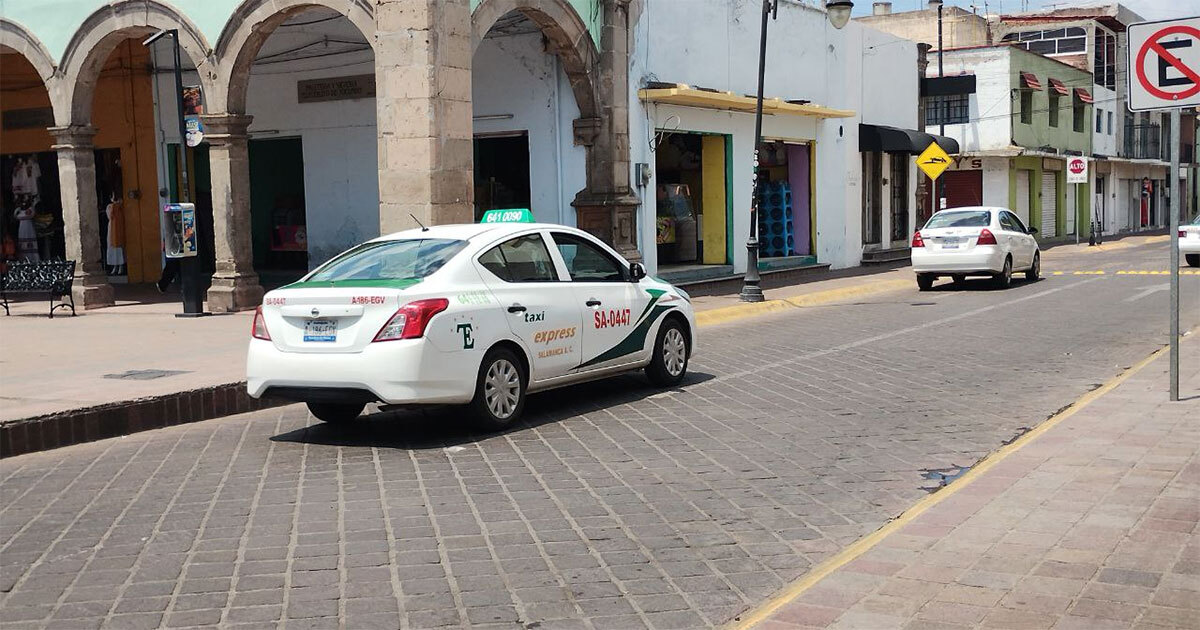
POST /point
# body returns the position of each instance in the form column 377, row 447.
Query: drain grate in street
column 942, row 476
column 144, row 375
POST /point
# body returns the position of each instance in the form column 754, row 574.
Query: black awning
column 896, row 140
column 948, row 86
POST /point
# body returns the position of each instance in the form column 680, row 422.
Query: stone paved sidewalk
column 1091, row 525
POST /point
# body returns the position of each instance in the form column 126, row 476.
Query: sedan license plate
column 323, row 330
column 949, row 243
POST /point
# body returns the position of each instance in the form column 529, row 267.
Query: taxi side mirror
column 637, row 271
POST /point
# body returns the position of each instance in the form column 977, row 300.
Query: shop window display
column 31, row 226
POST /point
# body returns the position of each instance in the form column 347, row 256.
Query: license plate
column 949, row 243
column 320, row 330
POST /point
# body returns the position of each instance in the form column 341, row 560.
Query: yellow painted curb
column 727, row 314
column 863, row 545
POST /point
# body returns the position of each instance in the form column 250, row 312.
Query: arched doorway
column 535, row 106
column 31, row 225
column 108, row 145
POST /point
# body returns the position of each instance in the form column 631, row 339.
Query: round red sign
column 1077, row 166
column 1152, row 45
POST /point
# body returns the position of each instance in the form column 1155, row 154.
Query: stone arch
column 100, row 34
column 250, row 26
column 568, row 37
column 15, row 38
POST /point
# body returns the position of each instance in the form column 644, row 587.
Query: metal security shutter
column 1049, row 203
column 1023, row 195
column 1071, row 210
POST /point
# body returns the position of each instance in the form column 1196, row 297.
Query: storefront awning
column 1083, row 95
column 711, row 99
column 896, row 140
column 1029, row 81
column 1058, row 86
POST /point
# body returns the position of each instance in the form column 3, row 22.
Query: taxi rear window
column 407, row 259
column 968, row 218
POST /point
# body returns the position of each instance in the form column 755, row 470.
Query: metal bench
column 53, row 277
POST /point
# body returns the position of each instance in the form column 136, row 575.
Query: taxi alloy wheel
column 500, row 392
column 1035, row 270
column 668, row 364
column 1003, row 279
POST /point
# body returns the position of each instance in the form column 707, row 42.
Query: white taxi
column 1189, row 242
column 476, row 314
column 975, row 241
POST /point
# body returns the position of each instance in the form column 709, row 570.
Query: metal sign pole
column 1175, row 199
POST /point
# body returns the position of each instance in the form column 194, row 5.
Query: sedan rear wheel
column 1035, row 270
column 925, row 281
column 1003, row 279
column 1193, row 260
column 499, row 390
column 335, row 412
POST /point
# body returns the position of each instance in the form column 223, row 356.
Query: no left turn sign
column 1164, row 63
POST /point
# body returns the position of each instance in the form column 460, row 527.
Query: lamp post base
column 751, row 291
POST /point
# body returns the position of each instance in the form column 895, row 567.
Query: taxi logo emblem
column 933, row 161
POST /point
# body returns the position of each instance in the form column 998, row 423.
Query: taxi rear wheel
column 336, row 412
column 668, row 364
column 499, row 390
column 1193, row 260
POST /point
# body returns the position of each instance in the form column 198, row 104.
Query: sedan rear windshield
column 966, row 218
column 409, row 259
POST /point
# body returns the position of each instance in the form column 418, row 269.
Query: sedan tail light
column 1182, row 233
column 410, row 321
column 258, row 329
column 917, row 240
column 986, row 237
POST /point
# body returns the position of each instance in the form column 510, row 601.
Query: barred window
column 953, row 109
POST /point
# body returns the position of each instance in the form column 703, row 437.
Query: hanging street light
column 839, row 14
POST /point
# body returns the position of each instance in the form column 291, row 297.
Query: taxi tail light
column 918, row 241
column 410, row 321
column 986, row 237
column 1182, row 233
column 259, row 329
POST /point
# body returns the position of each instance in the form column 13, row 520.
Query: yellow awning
column 692, row 97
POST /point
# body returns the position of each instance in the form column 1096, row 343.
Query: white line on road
column 895, row 333
column 1145, row 292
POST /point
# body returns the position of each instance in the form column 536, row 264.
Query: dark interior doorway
column 277, row 210
column 501, row 172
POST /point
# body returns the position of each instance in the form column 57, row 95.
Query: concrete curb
column 88, row 424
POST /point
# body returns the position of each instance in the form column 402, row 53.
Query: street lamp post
column 838, row 12
column 941, row 183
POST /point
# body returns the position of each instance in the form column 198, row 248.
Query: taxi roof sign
column 508, row 215
column 933, row 160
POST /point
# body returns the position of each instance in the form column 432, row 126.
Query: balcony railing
column 1144, row 142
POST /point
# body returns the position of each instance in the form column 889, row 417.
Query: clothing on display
column 25, row 177
column 115, row 254
column 27, row 244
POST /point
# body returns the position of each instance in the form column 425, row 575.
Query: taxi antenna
column 414, row 218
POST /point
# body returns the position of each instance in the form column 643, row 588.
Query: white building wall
column 714, row 44
column 341, row 165
column 1103, row 142
column 995, row 182
column 991, row 106
column 514, row 76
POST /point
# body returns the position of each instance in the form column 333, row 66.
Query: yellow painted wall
column 123, row 113
column 712, row 166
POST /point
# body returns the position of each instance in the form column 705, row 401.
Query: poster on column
column 193, row 106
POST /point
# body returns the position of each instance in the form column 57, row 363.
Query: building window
column 1050, row 42
column 952, row 109
column 1054, row 99
column 1099, row 121
column 1104, row 66
column 1027, row 107
column 1080, row 112
column 1110, row 116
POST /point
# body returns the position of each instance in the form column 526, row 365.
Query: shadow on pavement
column 981, row 284
column 444, row 426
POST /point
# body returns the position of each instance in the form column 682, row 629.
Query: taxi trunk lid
column 330, row 318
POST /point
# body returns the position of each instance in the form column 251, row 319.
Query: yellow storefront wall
column 123, row 113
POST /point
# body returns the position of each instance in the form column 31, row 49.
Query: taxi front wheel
column 499, row 390
column 668, row 364
column 336, row 412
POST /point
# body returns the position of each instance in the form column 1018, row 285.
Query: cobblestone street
column 614, row 506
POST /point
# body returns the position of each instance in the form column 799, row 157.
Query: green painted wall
column 55, row 21
column 1039, row 133
column 1083, row 196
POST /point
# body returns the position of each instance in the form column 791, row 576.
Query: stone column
column 81, row 214
column 608, row 207
column 423, row 112
column 234, row 284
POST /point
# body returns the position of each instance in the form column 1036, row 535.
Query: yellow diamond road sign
column 934, row 161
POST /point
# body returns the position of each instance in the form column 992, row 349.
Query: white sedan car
column 465, row 314
column 975, row 241
column 1189, row 242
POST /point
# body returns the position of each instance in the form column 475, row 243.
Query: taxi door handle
column 593, row 302
column 516, row 308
